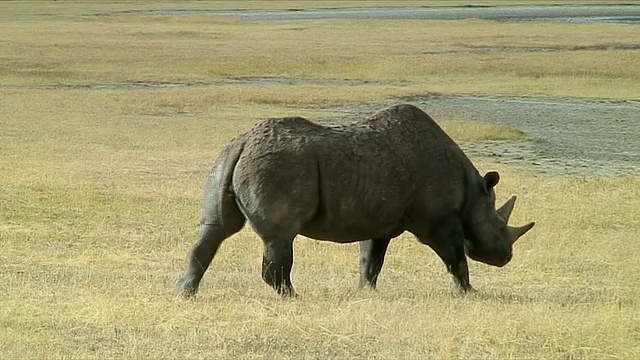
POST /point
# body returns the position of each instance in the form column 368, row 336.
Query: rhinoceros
column 367, row 181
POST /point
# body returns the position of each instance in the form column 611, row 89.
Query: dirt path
column 567, row 136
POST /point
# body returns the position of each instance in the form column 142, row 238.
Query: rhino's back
column 291, row 145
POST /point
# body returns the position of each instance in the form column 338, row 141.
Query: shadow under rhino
column 368, row 182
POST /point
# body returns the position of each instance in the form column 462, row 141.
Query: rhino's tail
column 219, row 207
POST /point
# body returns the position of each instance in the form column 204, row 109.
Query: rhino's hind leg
column 200, row 256
column 277, row 261
column 372, row 254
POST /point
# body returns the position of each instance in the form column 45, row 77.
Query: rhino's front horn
column 506, row 209
column 516, row 232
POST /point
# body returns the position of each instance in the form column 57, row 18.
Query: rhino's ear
column 491, row 179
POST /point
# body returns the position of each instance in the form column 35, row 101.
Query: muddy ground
column 629, row 14
column 565, row 136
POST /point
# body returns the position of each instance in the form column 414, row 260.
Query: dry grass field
column 101, row 170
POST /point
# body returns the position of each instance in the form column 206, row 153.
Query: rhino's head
column 488, row 237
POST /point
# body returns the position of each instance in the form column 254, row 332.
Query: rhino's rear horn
column 506, row 209
column 516, row 232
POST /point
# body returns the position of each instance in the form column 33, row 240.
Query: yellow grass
column 99, row 201
column 99, row 207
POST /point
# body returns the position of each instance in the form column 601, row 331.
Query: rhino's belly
column 350, row 233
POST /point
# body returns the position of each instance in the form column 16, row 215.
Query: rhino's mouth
column 493, row 257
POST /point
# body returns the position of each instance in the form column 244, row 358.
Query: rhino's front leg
column 460, row 271
column 447, row 240
column 372, row 254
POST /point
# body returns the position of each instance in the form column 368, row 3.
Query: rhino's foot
column 187, row 287
column 468, row 289
column 367, row 287
column 372, row 254
column 286, row 292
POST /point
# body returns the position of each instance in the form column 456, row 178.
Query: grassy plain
column 100, row 186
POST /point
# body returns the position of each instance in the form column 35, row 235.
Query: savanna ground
column 109, row 124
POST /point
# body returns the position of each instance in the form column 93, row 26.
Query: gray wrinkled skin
column 368, row 181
